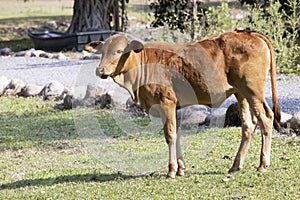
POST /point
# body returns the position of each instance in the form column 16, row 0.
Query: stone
column 295, row 121
column 30, row 90
column 285, row 118
column 104, row 101
column 51, row 25
column 232, row 117
column 92, row 93
column 6, row 52
column 46, row 55
column 20, row 54
column 192, row 115
column 59, row 56
column 68, row 102
column 4, row 82
column 38, row 53
column 28, row 53
column 134, row 109
column 89, row 56
column 54, row 91
column 14, row 87
column 216, row 118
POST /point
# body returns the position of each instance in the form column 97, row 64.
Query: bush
column 280, row 26
column 281, row 29
column 217, row 21
column 176, row 14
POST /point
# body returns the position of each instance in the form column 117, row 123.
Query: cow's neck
column 128, row 78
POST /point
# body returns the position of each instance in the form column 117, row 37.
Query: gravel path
column 76, row 74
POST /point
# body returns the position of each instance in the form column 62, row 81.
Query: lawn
column 17, row 16
column 35, row 8
column 105, row 154
column 100, row 154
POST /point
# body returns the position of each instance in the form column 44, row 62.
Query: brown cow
column 163, row 77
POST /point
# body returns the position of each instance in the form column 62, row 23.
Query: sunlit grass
column 36, row 8
column 49, row 154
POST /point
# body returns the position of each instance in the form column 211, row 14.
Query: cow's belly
column 150, row 97
column 191, row 94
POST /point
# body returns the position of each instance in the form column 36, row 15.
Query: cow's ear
column 94, row 47
column 136, row 46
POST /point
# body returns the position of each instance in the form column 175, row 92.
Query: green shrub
column 176, row 14
column 281, row 28
column 217, row 21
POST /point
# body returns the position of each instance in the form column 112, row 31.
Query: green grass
column 36, row 8
column 87, row 154
column 16, row 17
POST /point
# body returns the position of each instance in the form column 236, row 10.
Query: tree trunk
column 94, row 15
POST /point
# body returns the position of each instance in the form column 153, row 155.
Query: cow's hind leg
column 266, row 125
column 249, row 123
column 265, row 120
column 265, row 117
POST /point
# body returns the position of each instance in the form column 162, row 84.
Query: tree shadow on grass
column 68, row 179
column 89, row 177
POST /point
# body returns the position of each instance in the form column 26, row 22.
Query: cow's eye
column 119, row 51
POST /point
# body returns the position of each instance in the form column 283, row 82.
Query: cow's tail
column 276, row 108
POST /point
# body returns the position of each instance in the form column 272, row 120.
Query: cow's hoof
column 171, row 175
column 262, row 169
column 172, row 170
column 234, row 169
column 180, row 172
column 181, row 167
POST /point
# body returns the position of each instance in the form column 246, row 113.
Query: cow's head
column 115, row 53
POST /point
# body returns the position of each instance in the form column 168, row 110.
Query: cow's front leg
column 180, row 161
column 168, row 115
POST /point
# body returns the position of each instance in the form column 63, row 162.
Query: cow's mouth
column 100, row 73
column 104, row 76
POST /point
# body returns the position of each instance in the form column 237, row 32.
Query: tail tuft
column 277, row 118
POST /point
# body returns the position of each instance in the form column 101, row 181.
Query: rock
column 27, row 53
column 41, row 54
column 38, row 53
column 104, row 101
column 50, row 25
column 135, row 110
column 192, row 115
column 232, row 117
column 60, row 56
column 285, row 118
column 77, row 102
column 295, row 121
column 216, row 118
column 6, row 52
column 68, row 102
column 30, row 90
column 14, row 87
column 46, row 55
column 54, row 91
column 65, row 23
column 89, row 56
column 92, row 93
column 3, row 84
column 20, row 54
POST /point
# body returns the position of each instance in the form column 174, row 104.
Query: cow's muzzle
column 100, row 73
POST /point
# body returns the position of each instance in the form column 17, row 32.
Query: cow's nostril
column 99, row 71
